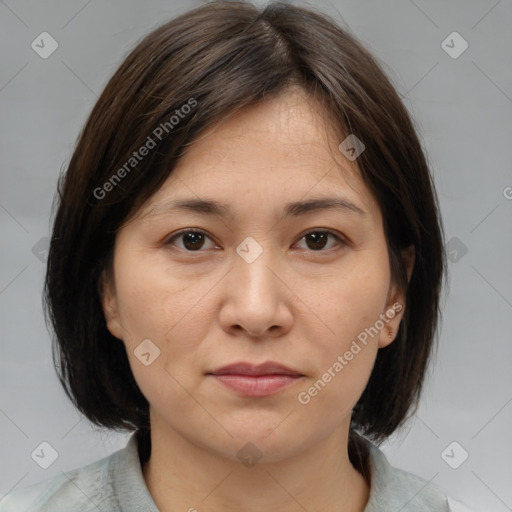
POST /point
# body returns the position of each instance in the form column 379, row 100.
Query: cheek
column 172, row 312
column 158, row 310
column 343, row 361
column 153, row 301
column 334, row 394
column 346, row 354
column 357, row 296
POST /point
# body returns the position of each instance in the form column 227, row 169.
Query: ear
column 106, row 290
column 395, row 307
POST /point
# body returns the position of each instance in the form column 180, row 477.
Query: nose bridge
column 254, row 261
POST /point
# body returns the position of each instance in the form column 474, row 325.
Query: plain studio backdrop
column 451, row 62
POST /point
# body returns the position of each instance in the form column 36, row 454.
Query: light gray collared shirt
column 116, row 484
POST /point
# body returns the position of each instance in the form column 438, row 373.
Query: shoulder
column 88, row 488
column 395, row 489
column 79, row 489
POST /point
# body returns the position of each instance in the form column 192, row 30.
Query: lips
column 248, row 369
column 256, row 381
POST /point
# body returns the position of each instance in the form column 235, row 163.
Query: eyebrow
column 293, row 209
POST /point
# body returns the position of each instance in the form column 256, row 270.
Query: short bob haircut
column 218, row 59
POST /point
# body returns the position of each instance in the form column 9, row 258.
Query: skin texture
column 301, row 303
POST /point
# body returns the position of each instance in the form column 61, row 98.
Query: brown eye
column 192, row 240
column 318, row 239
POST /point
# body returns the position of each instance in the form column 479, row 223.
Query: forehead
column 273, row 153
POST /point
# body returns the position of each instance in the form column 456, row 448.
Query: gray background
column 463, row 109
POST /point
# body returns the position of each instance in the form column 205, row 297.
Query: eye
column 193, row 239
column 318, row 238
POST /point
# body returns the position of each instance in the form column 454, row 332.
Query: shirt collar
column 129, row 484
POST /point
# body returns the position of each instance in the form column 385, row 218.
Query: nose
column 256, row 299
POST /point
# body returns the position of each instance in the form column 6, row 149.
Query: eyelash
column 177, row 235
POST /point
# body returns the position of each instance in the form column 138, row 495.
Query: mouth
column 252, row 370
column 247, row 379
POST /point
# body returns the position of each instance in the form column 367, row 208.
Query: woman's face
column 261, row 282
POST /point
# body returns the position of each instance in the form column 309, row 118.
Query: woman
column 245, row 272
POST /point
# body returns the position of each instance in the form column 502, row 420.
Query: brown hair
column 224, row 56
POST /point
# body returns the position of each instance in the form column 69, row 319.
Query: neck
column 183, row 476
